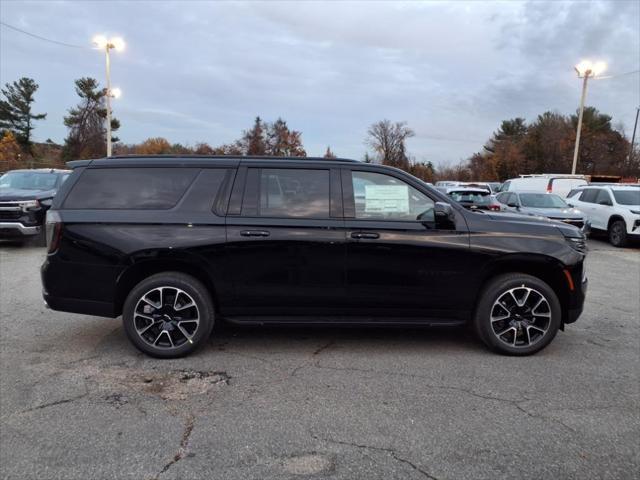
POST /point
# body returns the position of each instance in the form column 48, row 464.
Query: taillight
column 494, row 208
column 550, row 186
column 53, row 230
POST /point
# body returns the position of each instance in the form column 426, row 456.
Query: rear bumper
column 76, row 305
column 16, row 229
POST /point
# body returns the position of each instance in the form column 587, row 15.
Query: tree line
column 544, row 145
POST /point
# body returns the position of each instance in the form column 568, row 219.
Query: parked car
column 474, row 198
column 560, row 184
column 543, row 204
column 614, row 209
column 174, row 244
column 25, row 196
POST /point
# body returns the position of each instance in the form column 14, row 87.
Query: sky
column 196, row 71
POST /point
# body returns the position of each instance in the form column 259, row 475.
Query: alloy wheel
column 166, row 317
column 520, row 317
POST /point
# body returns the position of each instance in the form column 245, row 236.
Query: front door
column 400, row 263
column 286, row 243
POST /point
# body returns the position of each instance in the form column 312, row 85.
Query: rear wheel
column 517, row 314
column 618, row 233
column 168, row 315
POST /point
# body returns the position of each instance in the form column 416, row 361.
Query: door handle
column 254, row 233
column 367, row 235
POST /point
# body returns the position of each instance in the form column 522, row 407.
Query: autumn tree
column 254, row 141
column 15, row 110
column 283, row 142
column 86, row 122
column 204, row 148
column 388, row 140
column 10, row 152
column 154, row 146
column 329, row 153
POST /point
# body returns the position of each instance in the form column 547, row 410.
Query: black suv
column 175, row 243
column 25, row 196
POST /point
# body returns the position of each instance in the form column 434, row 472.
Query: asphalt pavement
column 77, row 401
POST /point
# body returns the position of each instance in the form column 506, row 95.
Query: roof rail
column 232, row 157
column 551, row 175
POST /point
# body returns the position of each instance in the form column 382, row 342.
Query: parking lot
column 78, row 401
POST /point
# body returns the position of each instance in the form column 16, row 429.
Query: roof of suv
column 609, row 185
column 39, row 170
column 168, row 159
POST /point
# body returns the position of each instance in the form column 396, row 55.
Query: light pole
column 585, row 69
column 105, row 44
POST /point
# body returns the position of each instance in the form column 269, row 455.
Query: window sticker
column 386, row 198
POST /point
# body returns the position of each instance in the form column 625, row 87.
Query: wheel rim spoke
column 520, row 316
column 166, row 318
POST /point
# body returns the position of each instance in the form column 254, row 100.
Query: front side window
column 294, row 192
column 382, row 197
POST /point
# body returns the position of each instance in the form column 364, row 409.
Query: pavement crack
column 320, row 349
column 184, row 444
column 57, row 402
column 387, row 450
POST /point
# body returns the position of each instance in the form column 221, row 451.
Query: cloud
column 201, row 71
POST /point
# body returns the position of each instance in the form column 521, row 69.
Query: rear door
column 286, row 241
column 602, row 209
column 399, row 262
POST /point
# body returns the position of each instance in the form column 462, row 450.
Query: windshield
column 28, row 180
column 627, row 197
column 542, row 200
column 480, row 197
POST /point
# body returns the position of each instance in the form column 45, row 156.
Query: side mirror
column 445, row 217
column 571, row 205
column 605, row 202
column 512, row 205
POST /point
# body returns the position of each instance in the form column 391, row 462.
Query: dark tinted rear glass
column 130, row 188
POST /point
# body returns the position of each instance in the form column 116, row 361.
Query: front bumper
column 577, row 302
column 17, row 229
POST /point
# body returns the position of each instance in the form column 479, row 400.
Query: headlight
column 30, row 205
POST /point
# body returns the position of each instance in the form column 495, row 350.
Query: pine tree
column 253, row 140
column 329, row 153
column 15, row 111
column 87, row 131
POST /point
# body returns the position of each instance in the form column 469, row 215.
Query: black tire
column 523, row 330
column 618, row 233
column 168, row 290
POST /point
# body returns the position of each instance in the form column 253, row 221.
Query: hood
column 553, row 212
column 17, row 194
column 521, row 218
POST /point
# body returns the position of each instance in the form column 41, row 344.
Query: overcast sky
column 201, row 71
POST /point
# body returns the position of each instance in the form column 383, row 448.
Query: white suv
column 612, row 208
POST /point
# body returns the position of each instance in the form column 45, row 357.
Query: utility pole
column 633, row 139
column 108, row 64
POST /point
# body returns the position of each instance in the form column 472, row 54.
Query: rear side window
column 294, row 192
column 130, row 188
column 589, row 195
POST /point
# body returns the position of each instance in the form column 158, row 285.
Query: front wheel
column 618, row 233
column 168, row 315
column 517, row 314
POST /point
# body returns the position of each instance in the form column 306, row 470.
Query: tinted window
column 589, row 195
column 502, row 198
column 479, row 197
column 542, row 200
column 29, row 180
column 294, row 193
column 379, row 196
column 132, row 188
column 627, row 197
column 603, row 196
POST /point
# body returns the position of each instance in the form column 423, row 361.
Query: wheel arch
column 547, row 269
column 144, row 268
column 614, row 218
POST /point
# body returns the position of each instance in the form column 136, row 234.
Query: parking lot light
column 584, row 69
